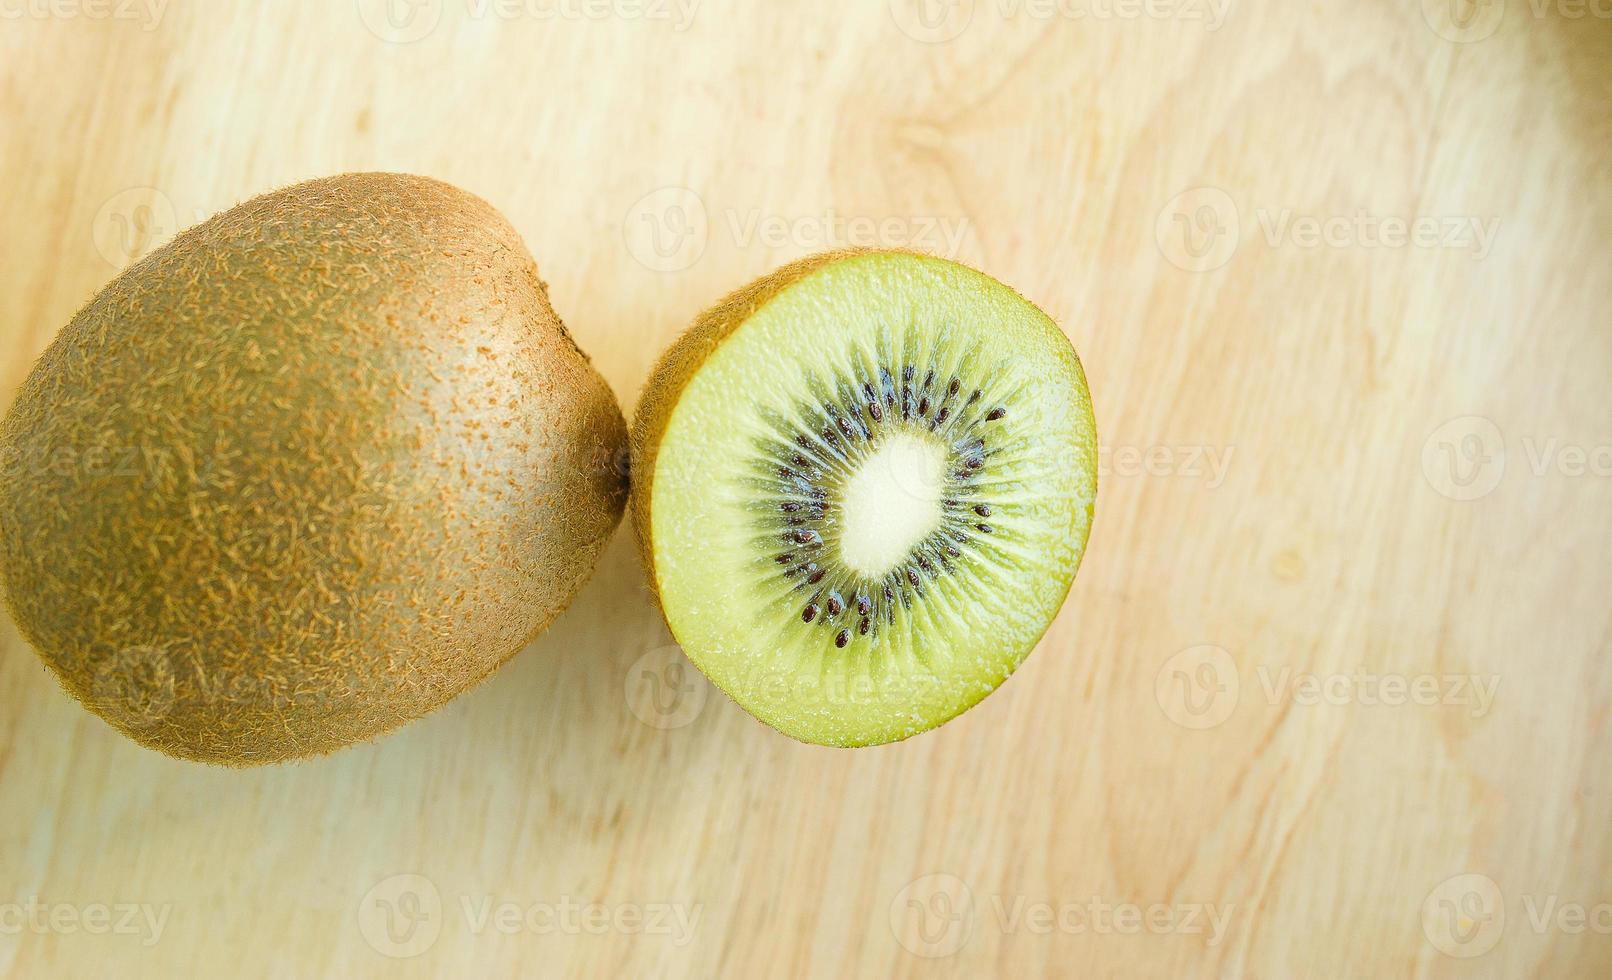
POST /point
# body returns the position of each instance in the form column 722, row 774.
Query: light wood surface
column 1299, row 685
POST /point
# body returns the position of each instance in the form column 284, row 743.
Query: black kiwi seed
column 813, row 462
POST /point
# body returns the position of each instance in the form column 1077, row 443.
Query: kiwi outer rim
column 684, row 358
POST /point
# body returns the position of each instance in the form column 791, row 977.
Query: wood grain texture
column 1203, row 196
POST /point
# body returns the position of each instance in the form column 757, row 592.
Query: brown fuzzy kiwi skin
column 306, row 473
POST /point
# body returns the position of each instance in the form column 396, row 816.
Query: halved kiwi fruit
column 862, row 486
column 306, row 473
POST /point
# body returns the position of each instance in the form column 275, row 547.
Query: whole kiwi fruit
column 306, row 473
column 862, row 486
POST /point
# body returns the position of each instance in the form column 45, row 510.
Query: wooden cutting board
column 1329, row 694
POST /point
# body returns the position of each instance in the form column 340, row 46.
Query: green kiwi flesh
column 863, row 486
column 306, row 473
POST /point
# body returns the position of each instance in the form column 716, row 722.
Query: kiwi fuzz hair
column 306, row 473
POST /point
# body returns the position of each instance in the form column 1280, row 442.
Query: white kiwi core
column 892, row 502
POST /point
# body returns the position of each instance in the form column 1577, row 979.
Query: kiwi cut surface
column 863, row 486
column 306, row 473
